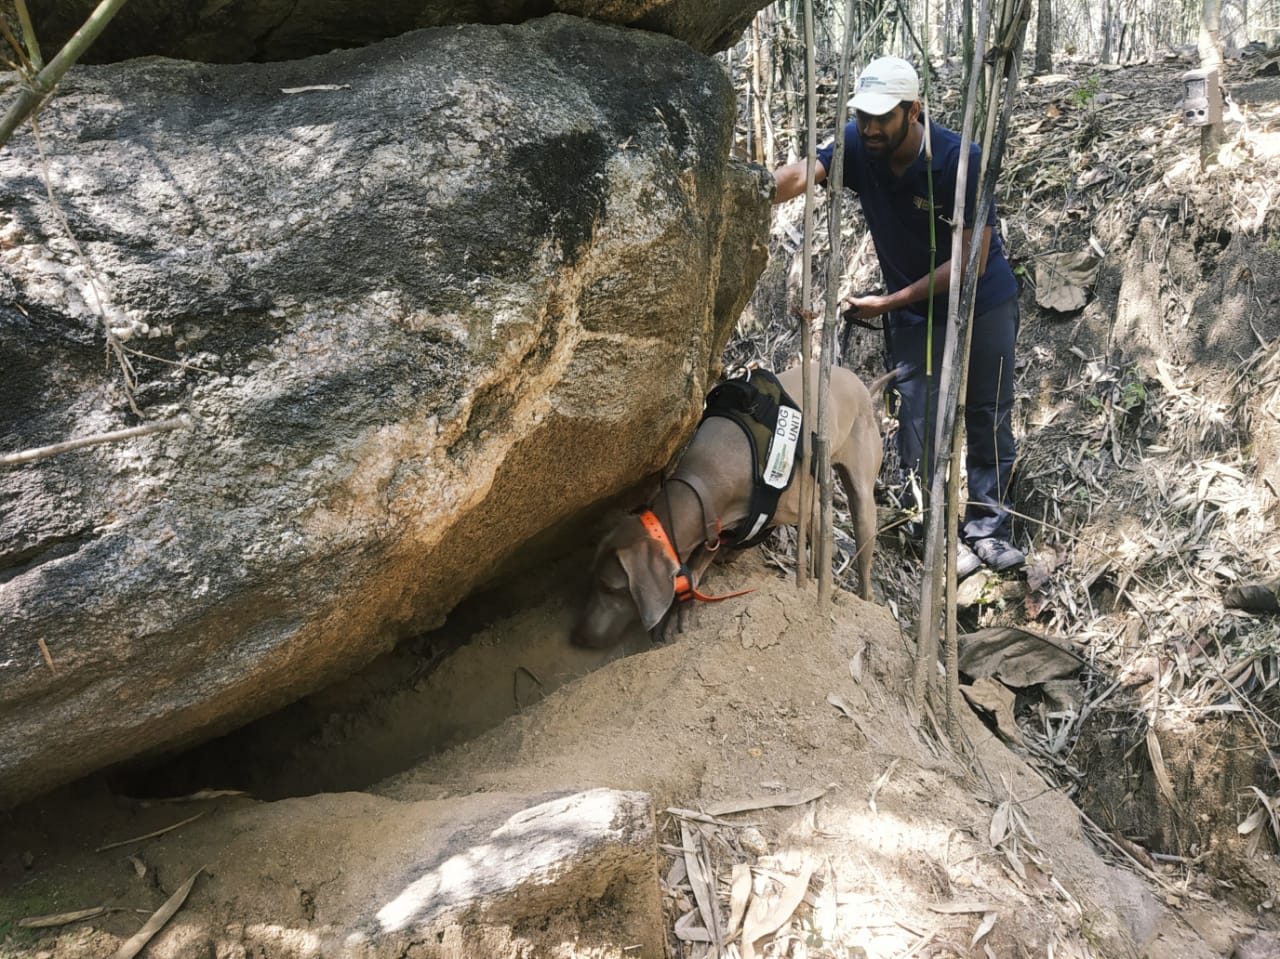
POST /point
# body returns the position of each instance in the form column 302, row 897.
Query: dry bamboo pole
column 1010, row 40
column 835, row 270
column 939, row 537
column 806, row 282
column 757, row 104
column 33, row 92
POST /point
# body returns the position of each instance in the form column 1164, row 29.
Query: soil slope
column 911, row 844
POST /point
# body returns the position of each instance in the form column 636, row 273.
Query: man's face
column 882, row 135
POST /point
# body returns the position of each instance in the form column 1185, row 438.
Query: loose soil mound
column 908, row 843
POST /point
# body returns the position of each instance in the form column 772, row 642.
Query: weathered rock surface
column 351, row 875
column 239, row 31
column 468, row 283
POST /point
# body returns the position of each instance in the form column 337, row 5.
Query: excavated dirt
column 911, row 844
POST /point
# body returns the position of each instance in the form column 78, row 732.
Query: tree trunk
column 937, row 28
column 1107, row 16
column 1211, row 62
column 1044, row 36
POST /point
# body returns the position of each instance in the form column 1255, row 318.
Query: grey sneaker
column 967, row 561
column 999, row 554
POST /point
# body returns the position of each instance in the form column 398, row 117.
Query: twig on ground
column 29, row 456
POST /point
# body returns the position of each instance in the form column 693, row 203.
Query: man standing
column 885, row 164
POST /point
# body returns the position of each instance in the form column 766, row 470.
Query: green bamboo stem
column 31, row 95
column 29, row 34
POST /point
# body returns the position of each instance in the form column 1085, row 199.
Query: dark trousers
column 989, row 445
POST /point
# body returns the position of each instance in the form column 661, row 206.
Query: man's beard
column 883, row 151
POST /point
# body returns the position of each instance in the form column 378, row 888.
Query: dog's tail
column 900, row 372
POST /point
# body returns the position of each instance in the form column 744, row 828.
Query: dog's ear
column 651, row 575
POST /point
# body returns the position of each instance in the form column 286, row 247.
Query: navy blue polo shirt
column 896, row 211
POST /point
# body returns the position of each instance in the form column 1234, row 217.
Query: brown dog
column 634, row 574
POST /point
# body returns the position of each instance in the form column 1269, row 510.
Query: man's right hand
column 865, row 307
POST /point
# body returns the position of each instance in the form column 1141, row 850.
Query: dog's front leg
column 668, row 626
column 697, row 565
column 679, row 618
column 685, row 618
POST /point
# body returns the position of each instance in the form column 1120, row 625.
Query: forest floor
column 1128, row 811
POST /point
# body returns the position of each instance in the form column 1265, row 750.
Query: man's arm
column 872, row 306
column 789, row 179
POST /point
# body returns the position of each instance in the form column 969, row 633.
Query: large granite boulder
column 420, row 303
column 237, row 31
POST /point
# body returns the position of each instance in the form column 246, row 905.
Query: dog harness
column 772, row 423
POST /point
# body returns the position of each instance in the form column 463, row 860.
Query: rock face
column 238, row 31
column 421, row 301
column 495, row 875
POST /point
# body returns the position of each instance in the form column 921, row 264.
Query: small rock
column 752, row 840
column 1260, row 945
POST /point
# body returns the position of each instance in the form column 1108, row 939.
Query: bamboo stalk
column 31, row 95
column 1012, row 32
column 806, row 284
column 29, row 34
column 1011, row 43
column 968, row 296
column 939, row 536
column 835, row 269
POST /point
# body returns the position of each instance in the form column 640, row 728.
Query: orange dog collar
column 684, row 588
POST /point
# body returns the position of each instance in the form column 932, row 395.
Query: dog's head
column 632, row 580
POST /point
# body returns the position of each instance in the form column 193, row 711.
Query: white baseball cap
column 884, row 84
